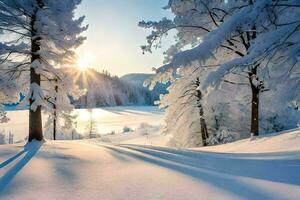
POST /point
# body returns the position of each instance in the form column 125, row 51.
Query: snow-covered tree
column 60, row 117
column 91, row 126
column 185, row 118
column 242, row 38
column 42, row 37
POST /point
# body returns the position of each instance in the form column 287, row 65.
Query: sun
column 83, row 64
column 84, row 59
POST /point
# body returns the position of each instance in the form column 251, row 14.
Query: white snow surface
column 95, row 170
column 108, row 119
column 277, row 142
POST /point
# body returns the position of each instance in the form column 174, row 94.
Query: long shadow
column 198, row 153
column 208, row 175
column 29, row 150
column 223, row 182
column 290, row 155
column 11, row 159
column 277, row 170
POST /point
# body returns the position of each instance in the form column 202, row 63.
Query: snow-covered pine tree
column 42, row 36
column 245, row 31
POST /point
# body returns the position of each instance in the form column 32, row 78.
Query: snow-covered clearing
column 152, row 139
column 107, row 119
column 81, row 170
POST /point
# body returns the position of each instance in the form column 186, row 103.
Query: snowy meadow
column 107, row 120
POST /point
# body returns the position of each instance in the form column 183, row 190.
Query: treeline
column 104, row 89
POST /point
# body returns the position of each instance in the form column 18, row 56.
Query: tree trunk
column 55, row 113
column 54, row 126
column 254, row 102
column 35, row 117
column 203, row 128
column 255, row 112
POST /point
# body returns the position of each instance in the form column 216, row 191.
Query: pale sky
column 114, row 39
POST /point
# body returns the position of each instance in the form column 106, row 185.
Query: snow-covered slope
column 79, row 170
column 277, row 142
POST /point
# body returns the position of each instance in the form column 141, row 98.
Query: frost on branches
column 43, row 35
column 249, row 44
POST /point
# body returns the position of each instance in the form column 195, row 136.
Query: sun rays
column 83, row 64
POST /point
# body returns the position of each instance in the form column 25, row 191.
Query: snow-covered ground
column 277, row 142
column 149, row 135
column 107, row 119
column 95, row 170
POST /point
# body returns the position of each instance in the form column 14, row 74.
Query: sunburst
column 83, row 64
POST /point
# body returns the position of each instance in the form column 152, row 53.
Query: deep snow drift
column 80, row 170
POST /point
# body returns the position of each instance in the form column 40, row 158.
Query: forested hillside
column 104, row 89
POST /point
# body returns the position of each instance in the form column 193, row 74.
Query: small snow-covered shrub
column 105, row 139
column 3, row 117
column 279, row 120
column 146, row 129
column 94, row 135
column 222, row 136
column 273, row 124
column 113, row 132
column 2, row 137
column 127, row 129
column 143, row 132
column 144, row 125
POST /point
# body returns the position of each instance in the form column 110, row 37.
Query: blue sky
column 114, row 39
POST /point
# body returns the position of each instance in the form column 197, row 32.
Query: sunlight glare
column 83, row 64
column 84, row 59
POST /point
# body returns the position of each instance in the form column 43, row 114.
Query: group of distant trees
column 104, row 89
column 234, row 68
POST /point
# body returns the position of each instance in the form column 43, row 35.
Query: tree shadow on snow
column 220, row 171
column 29, row 150
column 282, row 167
